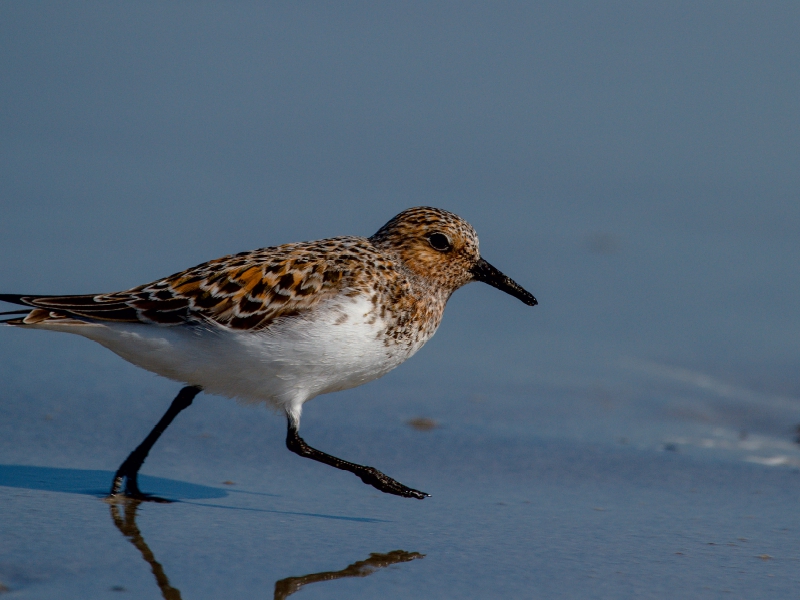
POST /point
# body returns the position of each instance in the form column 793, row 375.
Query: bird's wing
column 241, row 291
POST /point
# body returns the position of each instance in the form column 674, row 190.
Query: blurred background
column 636, row 166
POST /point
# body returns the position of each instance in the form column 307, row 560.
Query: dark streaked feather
column 13, row 299
column 246, row 291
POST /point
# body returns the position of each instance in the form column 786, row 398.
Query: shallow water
column 536, row 492
column 633, row 436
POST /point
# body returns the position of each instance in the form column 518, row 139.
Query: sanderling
column 283, row 324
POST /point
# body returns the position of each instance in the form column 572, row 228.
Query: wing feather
column 246, row 291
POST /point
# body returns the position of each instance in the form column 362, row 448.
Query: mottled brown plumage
column 408, row 282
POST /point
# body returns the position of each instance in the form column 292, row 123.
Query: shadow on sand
column 97, row 483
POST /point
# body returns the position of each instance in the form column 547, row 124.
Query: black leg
column 369, row 475
column 129, row 469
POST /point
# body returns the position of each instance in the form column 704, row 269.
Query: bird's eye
column 440, row 242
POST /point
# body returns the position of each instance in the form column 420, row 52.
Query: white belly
column 294, row 360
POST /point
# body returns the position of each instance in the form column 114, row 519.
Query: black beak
column 483, row 271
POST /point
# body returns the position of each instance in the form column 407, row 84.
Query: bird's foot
column 123, row 497
column 371, row 476
column 131, row 491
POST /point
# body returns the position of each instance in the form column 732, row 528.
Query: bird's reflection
column 123, row 513
column 286, row 587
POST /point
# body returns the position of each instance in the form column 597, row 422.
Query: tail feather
column 66, row 302
column 64, row 310
column 92, row 302
column 14, row 299
column 34, row 314
column 134, row 306
column 17, row 321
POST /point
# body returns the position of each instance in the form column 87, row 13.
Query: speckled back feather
column 396, row 268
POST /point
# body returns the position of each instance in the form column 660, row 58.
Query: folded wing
column 246, row 291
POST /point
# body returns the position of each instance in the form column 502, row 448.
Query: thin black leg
column 129, row 469
column 369, row 475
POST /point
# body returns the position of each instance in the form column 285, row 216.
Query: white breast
column 335, row 347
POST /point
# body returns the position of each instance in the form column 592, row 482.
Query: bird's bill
column 483, row 271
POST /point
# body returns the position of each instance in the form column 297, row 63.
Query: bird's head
column 443, row 248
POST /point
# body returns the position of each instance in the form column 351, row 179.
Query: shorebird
column 283, row 324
